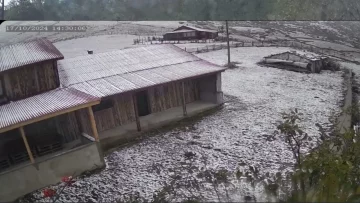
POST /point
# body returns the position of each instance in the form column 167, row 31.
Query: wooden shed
column 137, row 82
column 190, row 33
column 300, row 62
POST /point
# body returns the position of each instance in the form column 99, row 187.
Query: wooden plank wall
column 169, row 95
column 82, row 116
column 121, row 113
column 67, row 125
column 30, row 80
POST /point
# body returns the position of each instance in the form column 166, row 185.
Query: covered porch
column 41, row 141
column 125, row 133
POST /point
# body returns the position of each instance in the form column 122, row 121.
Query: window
column 104, row 104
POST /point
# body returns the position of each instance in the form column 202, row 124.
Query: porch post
column 183, row 98
column 93, row 124
column 22, row 132
column 136, row 113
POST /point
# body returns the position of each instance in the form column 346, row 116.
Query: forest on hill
column 182, row 9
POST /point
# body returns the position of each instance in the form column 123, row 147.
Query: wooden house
column 190, row 33
column 40, row 138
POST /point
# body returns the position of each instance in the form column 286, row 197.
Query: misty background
column 182, row 9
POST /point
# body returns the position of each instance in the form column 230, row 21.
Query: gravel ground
column 235, row 136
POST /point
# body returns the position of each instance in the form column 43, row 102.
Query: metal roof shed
column 26, row 53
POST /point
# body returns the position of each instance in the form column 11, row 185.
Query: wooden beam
column 228, row 42
column 183, row 98
column 22, row 132
column 136, row 113
column 93, row 124
column 47, row 116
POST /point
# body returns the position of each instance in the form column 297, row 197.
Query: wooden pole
column 136, row 113
column 93, row 124
column 183, row 98
column 228, row 43
column 3, row 9
column 22, row 132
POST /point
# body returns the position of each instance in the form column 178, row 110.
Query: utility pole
column 3, row 10
column 228, row 43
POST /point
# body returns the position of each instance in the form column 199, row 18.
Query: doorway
column 142, row 103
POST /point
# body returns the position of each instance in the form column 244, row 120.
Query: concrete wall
column 210, row 89
column 23, row 180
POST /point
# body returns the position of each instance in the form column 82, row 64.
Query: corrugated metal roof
column 25, row 53
column 111, row 73
column 42, row 104
column 180, row 31
column 198, row 29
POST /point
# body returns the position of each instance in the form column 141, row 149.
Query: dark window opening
column 142, row 103
column 3, row 98
column 104, row 104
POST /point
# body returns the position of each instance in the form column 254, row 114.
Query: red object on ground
column 67, row 179
column 49, row 192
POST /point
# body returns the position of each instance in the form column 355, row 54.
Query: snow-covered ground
column 167, row 24
column 249, row 29
column 103, row 43
column 236, row 134
column 325, row 44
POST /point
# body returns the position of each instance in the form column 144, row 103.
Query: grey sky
column 7, row 2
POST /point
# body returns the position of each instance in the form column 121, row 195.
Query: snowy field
column 235, row 136
column 103, row 43
column 325, row 44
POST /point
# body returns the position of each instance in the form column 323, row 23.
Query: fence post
column 214, row 47
column 185, row 48
column 252, row 43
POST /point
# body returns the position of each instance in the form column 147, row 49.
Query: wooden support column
column 136, row 113
column 22, row 132
column 183, row 98
column 93, row 124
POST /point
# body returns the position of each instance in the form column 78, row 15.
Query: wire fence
column 220, row 43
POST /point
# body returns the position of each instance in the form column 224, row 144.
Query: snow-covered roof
column 307, row 55
column 194, row 28
column 180, row 31
column 25, row 53
column 28, row 109
column 115, row 72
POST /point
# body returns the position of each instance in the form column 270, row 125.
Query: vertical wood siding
column 82, row 116
column 30, row 80
column 67, row 126
column 122, row 112
column 170, row 95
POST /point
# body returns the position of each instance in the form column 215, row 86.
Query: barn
column 58, row 115
column 307, row 62
column 142, row 88
column 190, row 33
